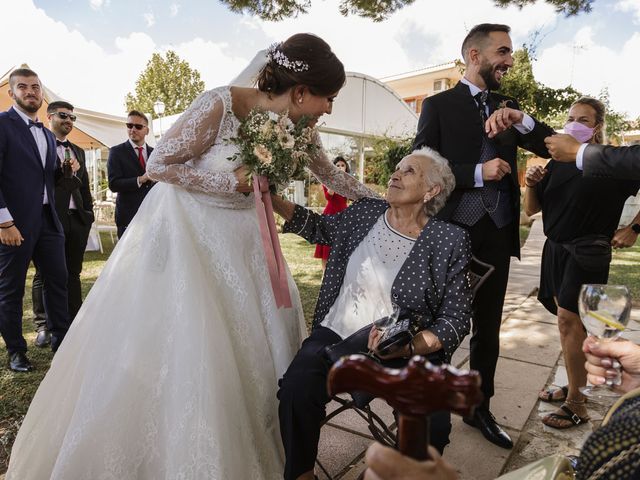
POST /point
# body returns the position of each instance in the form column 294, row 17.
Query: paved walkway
column 530, row 359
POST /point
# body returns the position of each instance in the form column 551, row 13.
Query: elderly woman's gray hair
column 437, row 173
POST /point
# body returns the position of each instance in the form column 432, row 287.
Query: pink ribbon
column 270, row 242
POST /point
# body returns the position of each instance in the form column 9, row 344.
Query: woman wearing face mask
column 335, row 204
column 582, row 214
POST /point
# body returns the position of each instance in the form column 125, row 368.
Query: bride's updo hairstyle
column 303, row 59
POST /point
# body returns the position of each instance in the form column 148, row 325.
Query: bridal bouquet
column 272, row 145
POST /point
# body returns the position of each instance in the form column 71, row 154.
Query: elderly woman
column 382, row 253
column 583, row 213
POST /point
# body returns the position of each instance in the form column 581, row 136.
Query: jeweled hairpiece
column 276, row 55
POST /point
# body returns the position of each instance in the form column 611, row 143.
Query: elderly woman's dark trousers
column 303, row 398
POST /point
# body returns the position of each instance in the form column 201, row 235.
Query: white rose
column 273, row 116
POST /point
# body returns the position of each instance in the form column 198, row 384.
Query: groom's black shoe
column 43, row 339
column 484, row 421
column 18, row 362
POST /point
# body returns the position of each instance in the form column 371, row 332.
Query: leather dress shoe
column 18, row 362
column 43, row 339
column 484, row 421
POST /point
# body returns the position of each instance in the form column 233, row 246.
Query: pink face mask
column 579, row 131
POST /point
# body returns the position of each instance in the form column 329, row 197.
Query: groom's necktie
column 489, row 199
column 481, row 100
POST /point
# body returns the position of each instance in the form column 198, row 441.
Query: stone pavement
column 530, row 359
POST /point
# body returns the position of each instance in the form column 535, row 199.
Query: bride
column 170, row 369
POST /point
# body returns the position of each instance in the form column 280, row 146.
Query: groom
column 486, row 200
column 29, row 225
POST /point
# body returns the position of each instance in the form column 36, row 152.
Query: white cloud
column 632, row 6
column 98, row 4
column 149, row 19
column 216, row 64
column 590, row 67
column 173, row 9
column 104, row 77
column 421, row 34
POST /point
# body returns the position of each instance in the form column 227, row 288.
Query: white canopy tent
column 365, row 109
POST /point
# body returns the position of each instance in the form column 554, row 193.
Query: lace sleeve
column 335, row 179
column 192, row 134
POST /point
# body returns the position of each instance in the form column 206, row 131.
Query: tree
column 387, row 152
column 615, row 122
column 376, row 10
column 168, row 79
column 567, row 7
column 546, row 104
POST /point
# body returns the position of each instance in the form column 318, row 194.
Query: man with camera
column 75, row 210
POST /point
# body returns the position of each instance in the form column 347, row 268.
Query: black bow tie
column 35, row 124
column 65, row 144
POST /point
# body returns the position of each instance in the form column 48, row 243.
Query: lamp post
column 158, row 108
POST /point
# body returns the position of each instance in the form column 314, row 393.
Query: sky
column 91, row 52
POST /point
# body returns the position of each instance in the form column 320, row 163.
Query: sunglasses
column 137, row 126
column 65, row 116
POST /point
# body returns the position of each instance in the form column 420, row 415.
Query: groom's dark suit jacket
column 450, row 124
column 124, row 168
column 612, row 162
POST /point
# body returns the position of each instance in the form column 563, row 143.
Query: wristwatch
column 636, row 227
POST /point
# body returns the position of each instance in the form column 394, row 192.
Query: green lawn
column 625, row 270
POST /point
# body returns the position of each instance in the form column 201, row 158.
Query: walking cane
column 414, row 391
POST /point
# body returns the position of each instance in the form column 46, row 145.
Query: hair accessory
column 276, row 55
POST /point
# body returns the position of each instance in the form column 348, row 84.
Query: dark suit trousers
column 303, row 398
column 75, row 243
column 45, row 245
column 492, row 245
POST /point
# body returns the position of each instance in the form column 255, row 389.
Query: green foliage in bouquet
column 272, row 145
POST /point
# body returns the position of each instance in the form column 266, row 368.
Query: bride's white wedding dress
column 170, row 369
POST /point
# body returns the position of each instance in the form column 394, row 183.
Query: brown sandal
column 570, row 416
column 547, row 395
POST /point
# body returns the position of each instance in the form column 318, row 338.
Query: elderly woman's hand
column 534, row 174
column 374, row 339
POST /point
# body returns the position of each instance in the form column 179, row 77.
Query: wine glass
column 385, row 319
column 605, row 311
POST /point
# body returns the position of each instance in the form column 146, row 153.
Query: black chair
column 479, row 271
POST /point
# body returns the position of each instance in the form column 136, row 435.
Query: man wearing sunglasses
column 29, row 225
column 127, row 170
column 74, row 206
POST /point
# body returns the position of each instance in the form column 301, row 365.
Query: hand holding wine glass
column 602, row 356
column 384, row 320
column 605, row 312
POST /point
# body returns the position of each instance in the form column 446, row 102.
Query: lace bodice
column 194, row 154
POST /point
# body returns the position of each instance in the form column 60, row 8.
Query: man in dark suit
column 74, row 207
column 127, row 170
column 29, row 226
column 486, row 200
column 596, row 160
